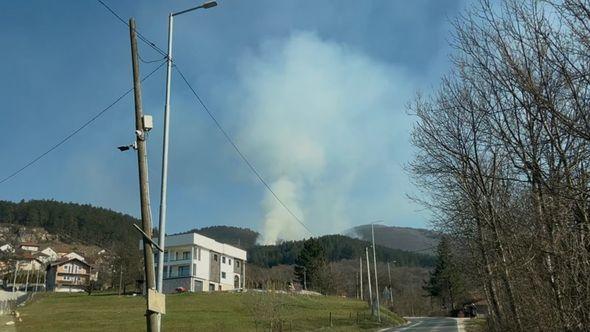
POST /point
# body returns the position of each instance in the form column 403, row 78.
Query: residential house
column 7, row 248
column 29, row 261
column 198, row 263
column 27, row 246
column 50, row 254
column 74, row 255
column 69, row 275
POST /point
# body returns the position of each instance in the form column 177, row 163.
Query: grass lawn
column 249, row 311
column 475, row 325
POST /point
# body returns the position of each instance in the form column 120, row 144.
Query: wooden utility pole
column 361, row 277
column 37, row 281
column 15, row 274
column 120, row 277
column 146, row 217
column 390, row 288
column 27, row 280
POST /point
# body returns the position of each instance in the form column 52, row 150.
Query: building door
column 211, row 287
column 198, row 286
column 236, row 282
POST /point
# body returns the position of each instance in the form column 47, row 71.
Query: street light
column 375, row 264
column 163, row 188
column 164, row 179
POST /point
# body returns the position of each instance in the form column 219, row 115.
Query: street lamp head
column 209, row 4
column 123, row 148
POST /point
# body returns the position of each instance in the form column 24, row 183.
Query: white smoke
column 278, row 223
column 317, row 119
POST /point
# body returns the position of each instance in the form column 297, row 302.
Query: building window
column 176, row 256
column 184, row 270
column 186, row 255
column 165, row 271
column 237, row 263
column 222, row 275
column 165, row 256
column 199, row 253
column 229, row 261
column 215, row 257
column 223, row 259
column 194, row 269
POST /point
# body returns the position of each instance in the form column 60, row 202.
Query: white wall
column 203, row 264
column 228, row 269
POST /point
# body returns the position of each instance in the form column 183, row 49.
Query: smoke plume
column 318, row 118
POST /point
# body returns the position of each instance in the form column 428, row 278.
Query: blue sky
column 314, row 92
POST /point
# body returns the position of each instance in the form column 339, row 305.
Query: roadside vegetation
column 475, row 325
column 251, row 311
column 502, row 158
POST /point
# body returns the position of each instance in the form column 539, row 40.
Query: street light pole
column 164, row 178
column 376, row 276
column 369, row 280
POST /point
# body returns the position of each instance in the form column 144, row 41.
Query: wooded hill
column 404, row 238
column 72, row 222
column 83, row 223
column 337, row 247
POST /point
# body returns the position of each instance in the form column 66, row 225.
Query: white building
column 6, row 248
column 73, row 255
column 199, row 263
column 49, row 255
column 28, row 246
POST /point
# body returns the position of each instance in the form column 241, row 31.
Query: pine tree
column 445, row 280
column 313, row 262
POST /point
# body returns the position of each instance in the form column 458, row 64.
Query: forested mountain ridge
column 337, row 247
column 244, row 238
column 72, row 222
column 83, row 223
column 403, row 238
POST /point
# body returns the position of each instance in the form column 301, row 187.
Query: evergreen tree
column 312, row 261
column 446, row 281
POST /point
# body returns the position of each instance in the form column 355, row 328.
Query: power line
column 217, row 123
column 141, row 37
column 72, row 134
column 237, row 149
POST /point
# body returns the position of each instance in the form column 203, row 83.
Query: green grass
column 201, row 312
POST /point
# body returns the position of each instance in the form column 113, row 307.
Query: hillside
column 244, row 238
column 72, row 222
column 217, row 311
column 337, row 247
column 403, row 238
column 85, row 224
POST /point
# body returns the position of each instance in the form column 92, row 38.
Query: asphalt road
column 427, row 324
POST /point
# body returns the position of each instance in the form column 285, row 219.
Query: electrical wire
column 72, row 134
column 239, row 152
column 217, row 123
column 141, row 37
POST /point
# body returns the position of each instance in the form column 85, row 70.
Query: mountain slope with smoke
column 319, row 119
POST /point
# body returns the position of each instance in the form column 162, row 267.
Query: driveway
column 427, row 324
